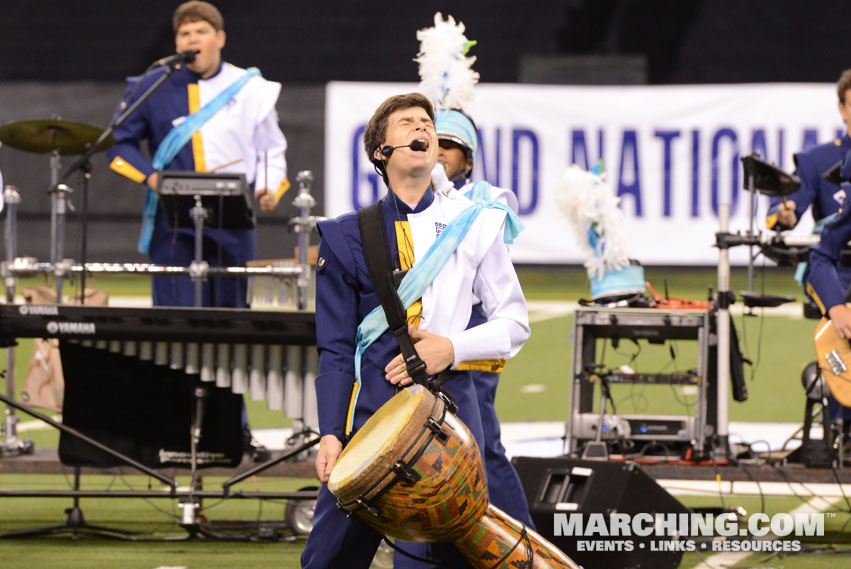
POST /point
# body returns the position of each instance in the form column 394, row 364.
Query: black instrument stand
column 811, row 453
column 199, row 267
column 12, row 445
column 769, row 180
column 175, row 200
column 83, row 164
column 598, row 449
column 303, row 225
column 75, row 523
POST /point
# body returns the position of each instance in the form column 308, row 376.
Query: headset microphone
column 418, row 144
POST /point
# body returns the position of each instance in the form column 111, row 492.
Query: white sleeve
column 507, row 328
column 270, row 146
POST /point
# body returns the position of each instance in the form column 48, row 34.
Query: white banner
column 671, row 153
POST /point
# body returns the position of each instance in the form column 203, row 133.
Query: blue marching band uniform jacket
column 825, row 197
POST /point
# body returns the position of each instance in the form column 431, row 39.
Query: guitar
column 834, row 360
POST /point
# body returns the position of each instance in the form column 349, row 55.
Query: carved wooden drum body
column 414, row 472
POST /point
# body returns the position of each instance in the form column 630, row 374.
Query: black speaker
column 563, row 486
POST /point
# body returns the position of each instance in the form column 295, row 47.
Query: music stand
column 225, row 197
column 197, row 200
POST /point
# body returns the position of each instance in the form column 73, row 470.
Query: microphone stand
column 83, row 164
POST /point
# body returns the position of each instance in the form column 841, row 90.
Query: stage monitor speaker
column 567, row 486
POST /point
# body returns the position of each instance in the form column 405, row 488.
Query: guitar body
column 834, row 361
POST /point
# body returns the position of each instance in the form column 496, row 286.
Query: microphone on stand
column 183, row 57
column 415, row 145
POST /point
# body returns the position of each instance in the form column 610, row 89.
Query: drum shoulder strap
column 377, row 254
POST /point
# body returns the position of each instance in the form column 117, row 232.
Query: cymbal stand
column 724, row 240
column 722, row 316
column 303, row 225
column 58, row 207
column 12, row 445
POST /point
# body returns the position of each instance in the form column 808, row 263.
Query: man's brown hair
column 843, row 85
column 197, row 11
column 376, row 129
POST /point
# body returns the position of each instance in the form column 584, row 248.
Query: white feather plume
column 591, row 207
column 446, row 72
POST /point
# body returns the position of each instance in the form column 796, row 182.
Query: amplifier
column 636, row 427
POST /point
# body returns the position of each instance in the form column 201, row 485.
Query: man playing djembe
column 401, row 142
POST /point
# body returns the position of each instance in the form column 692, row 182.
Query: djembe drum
column 414, row 472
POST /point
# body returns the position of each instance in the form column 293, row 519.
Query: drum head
column 378, row 442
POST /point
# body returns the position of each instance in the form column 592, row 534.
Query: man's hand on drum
column 786, row 213
column 330, row 448
column 437, row 352
column 840, row 316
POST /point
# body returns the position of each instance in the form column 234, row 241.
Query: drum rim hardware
column 402, row 469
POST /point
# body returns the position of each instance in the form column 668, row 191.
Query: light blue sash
column 421, row 275
column 175, row 140
column 481, row 191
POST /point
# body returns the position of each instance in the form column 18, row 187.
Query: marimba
column 267, row 355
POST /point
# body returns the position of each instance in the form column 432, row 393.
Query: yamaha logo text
column 38, row 310
column 80, row 328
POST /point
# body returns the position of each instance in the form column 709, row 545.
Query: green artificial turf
column 534, row 387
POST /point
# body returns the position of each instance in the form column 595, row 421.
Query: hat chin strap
column 461, row 176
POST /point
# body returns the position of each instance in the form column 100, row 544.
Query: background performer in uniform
column 241, row 136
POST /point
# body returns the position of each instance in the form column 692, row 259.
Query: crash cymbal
column 46, row 135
